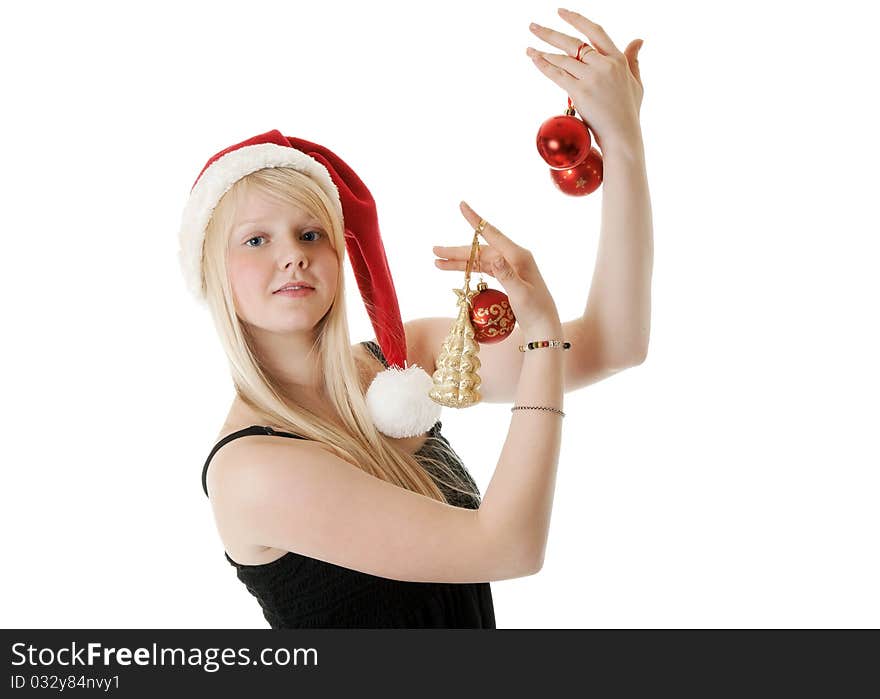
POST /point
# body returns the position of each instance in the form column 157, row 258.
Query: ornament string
column 475, row 250
column 571, row 110
column 479, row 264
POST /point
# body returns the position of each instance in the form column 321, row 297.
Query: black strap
column 253, row 429
column 376, row 351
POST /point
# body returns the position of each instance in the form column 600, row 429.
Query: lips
column 292, row 286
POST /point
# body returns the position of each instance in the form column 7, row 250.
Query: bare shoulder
column 240, row 455
column 243, row 460
column 243, row 456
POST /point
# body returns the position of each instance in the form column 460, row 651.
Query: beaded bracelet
column 536, row 407
column 545, row 343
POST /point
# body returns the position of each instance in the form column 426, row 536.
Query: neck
column 292, row 359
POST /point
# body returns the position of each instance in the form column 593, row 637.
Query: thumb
column 502, row 270
column 632, row 52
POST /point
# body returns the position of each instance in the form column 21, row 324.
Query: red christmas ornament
column 581, row 179
column 491, row 315
column 564, row 141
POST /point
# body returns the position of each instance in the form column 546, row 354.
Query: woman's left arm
column 605, row 86
column 619, row 303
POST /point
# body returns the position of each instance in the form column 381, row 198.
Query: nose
column 296, row 255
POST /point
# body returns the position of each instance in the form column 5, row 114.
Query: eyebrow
column 239, row 226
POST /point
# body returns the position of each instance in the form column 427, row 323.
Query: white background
column 729, row 481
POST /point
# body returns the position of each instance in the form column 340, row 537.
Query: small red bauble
column 581, row 179
column 491, row 315
column 563, row 141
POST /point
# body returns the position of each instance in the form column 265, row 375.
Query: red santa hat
column 398, row 397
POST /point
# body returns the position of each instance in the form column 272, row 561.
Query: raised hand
column 512, row 265
column 605, row 85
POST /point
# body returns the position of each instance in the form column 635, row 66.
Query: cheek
column 332, row 281
column 333, row 273
column 332, row 265
column 247, row 275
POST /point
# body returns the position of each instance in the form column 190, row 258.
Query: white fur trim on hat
column 399, row 404
column 216, row 181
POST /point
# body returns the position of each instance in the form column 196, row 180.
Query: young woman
column 338, row 510
column 329, row 521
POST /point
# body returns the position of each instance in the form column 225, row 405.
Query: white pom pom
column 399, row 403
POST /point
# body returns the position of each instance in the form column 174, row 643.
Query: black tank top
column 297, row 591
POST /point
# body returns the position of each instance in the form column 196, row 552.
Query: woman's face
column 272, row 244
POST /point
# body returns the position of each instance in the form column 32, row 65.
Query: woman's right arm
column 296, row 495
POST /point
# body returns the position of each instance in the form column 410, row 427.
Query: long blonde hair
column 360, row 443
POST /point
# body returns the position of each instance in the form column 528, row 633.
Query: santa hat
column 398, row 397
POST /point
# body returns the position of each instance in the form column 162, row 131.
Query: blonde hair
column 360, row 443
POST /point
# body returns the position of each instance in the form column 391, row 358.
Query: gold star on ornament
column 462, row 299
column 581, row 182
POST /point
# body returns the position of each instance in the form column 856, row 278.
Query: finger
column 481, row 267
column 457, row 251
column 573, row 67
column 592, row 31
column 561, row 77
column 487, row 255
column 492, row 235
column 567, row 43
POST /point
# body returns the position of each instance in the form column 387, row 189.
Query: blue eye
column 316, row 233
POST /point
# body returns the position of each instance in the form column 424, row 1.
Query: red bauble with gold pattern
column 491, row 315
column 581, row 179
column 563, row 141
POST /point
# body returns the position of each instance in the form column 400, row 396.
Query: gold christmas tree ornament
column 456, row 381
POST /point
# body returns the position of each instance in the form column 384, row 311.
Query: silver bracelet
column 536, row 407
